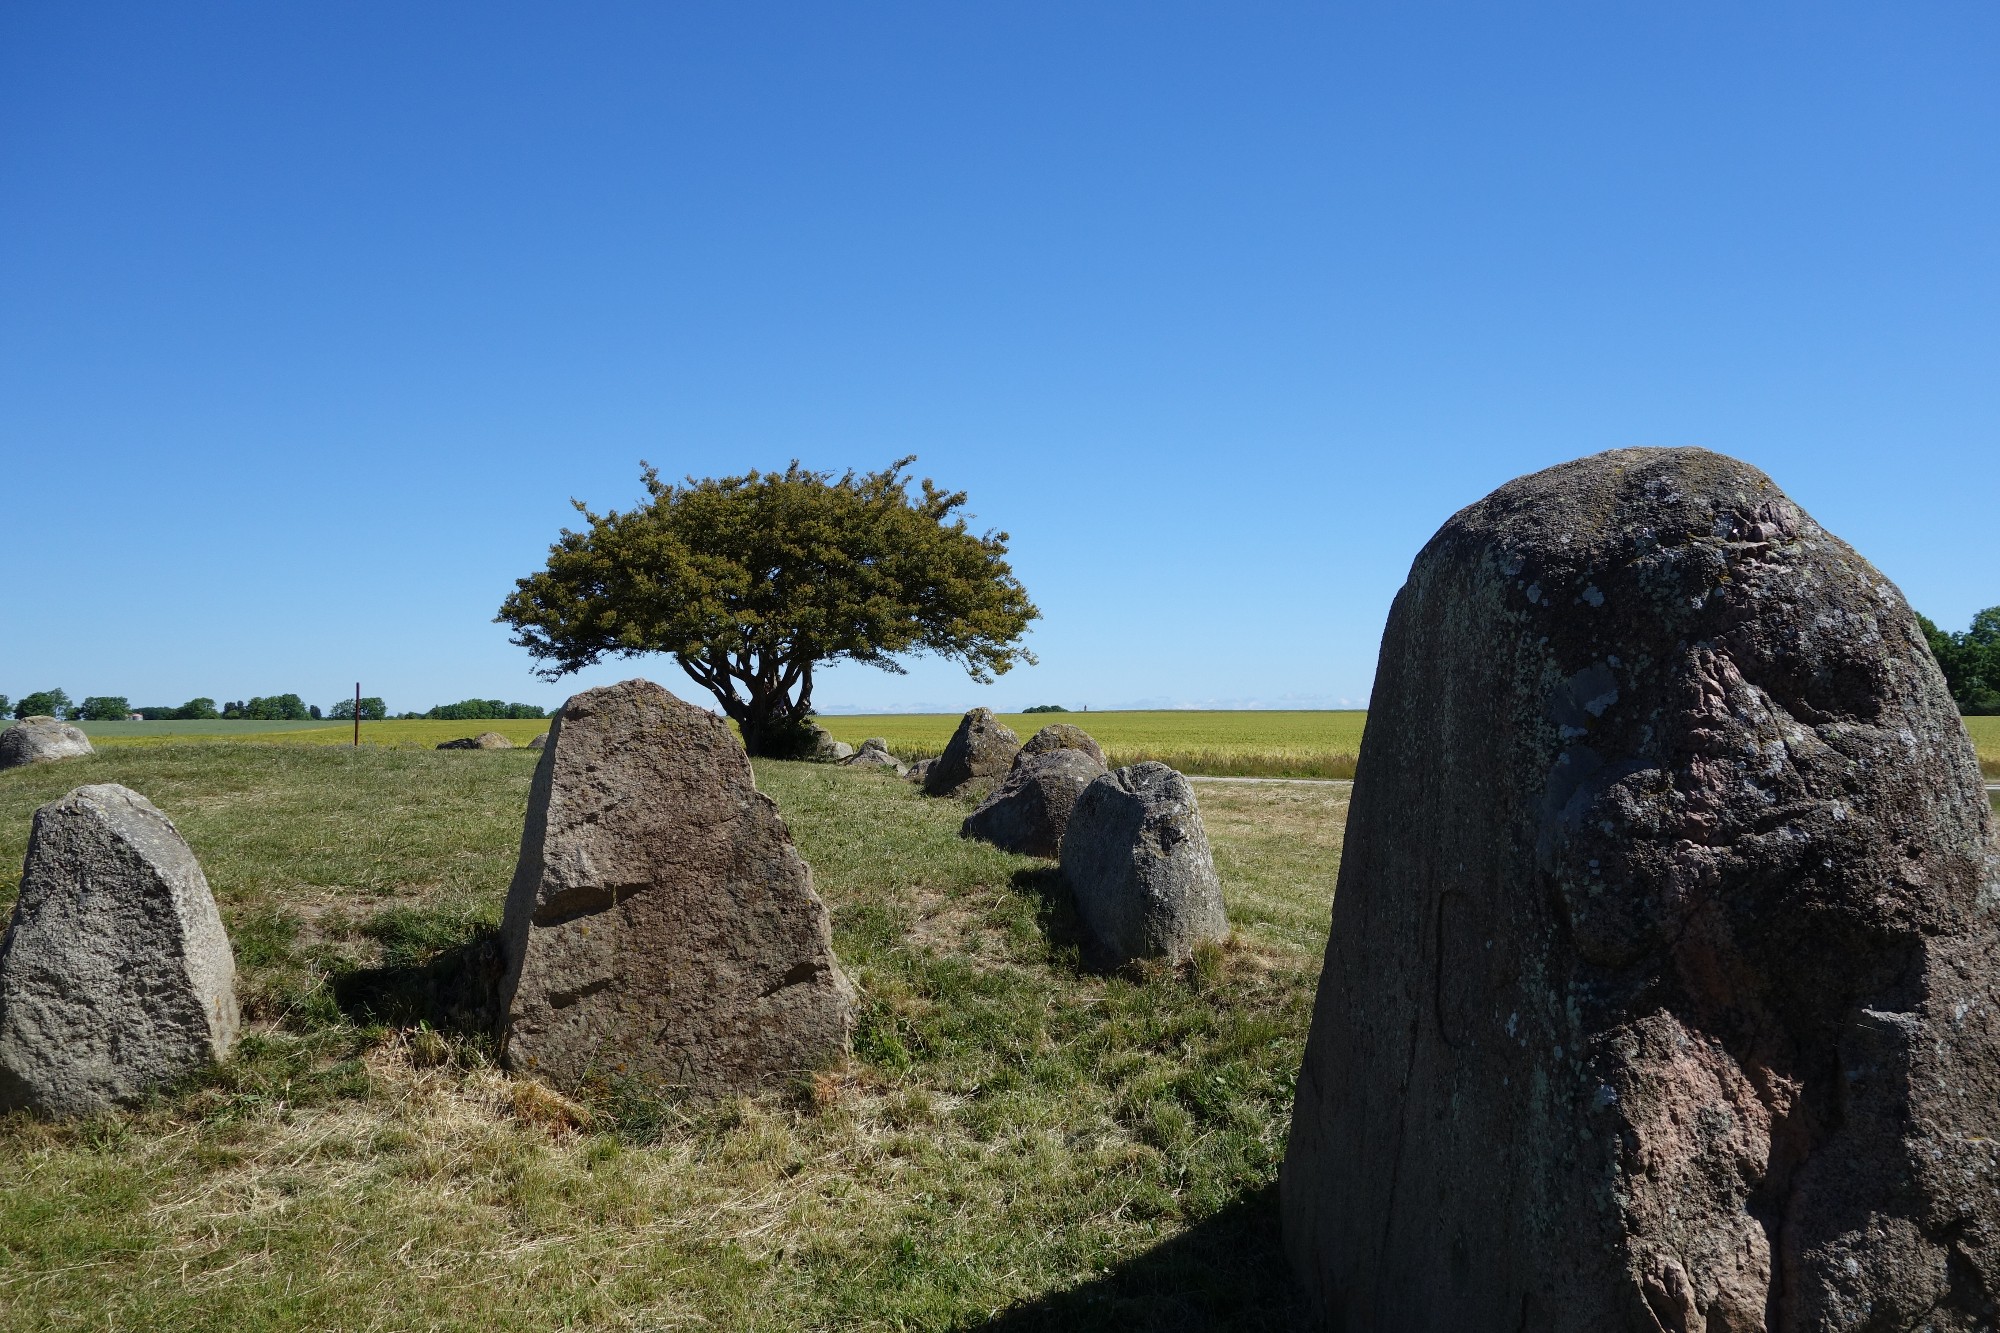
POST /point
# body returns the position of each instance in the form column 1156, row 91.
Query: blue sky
column 314, row 317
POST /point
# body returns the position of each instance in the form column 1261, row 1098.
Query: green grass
column 114, row 732
column 1018, row 1143
column 1279, row 743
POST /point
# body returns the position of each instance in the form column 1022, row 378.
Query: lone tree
column 751, row 582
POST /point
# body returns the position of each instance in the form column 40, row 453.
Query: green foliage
column 5, row 705
column 1046, row 708
column 372, row 709
column 1970, row 661
column 484, row 710
column 43, row 703
column 752, row 581
column 276, row 708
column 104, row 708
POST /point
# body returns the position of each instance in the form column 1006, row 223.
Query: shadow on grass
column 1055, row 913
column 451, row 989
column 1227, row 1274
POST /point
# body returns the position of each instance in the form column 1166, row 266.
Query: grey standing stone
column 116, row 976
column 1029, row 811
column 874, row 753
column 661, row 927
column 41, row 740
column 824, row 749
column 980, row 750
column 1662, row 989
column 1137, row 859
column 539, row 741
column 1064, row 736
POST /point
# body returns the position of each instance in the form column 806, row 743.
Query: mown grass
column 1219, row 743
column 1018, row 1143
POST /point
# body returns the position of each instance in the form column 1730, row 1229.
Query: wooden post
column 357, row 714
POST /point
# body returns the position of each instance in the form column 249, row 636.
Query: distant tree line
column 1971, row 661
column 372, row 709
column 480, row 710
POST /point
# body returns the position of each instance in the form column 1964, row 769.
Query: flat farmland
column 1986, row 739
column 1278, row 744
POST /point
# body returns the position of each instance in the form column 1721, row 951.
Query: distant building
column 135, row 717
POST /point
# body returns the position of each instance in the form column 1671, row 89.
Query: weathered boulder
column 1661, row 988
column 1029, row 811
column 874, row 753
column 1064, row 736
column 40, row 740
column 485, row 740
column 980, row 750
column 1137, row 860
column 661, row 927
column 824, row 749
column 920, row 772
column 116, row 976
column 539, row 741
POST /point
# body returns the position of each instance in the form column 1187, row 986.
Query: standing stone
column 920, row 772
column 39, row 740
column 1135, row 856
column 1029, row 811
column 822, row 748
column 116, row 975
column 539, row 741
column 1662, row 990
column 981, row 749
column 1064, row 736
column 874, row 753
column 661, row 927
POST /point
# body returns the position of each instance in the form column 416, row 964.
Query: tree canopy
column 750, row 582
column 1970, row 661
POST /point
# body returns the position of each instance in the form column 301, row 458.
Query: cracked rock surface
column 1661, row 989
column 116, row 976
column 661, row 927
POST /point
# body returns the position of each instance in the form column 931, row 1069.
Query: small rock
column 825, row 749
column 485, row 740
column 874, row 753
column 539, row 741
column 40, row 740
column 661, row 928
column 981, row 748
column 1064, row 736
column 1137, row 859
column 116, row 976
column 920, row 771
column 1029, row 811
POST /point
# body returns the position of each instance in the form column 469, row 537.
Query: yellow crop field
column 1296, row 744
column 1986, row 739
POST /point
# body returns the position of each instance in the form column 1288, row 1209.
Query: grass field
column 1236, row 744
column 1986, row 739
column 1017, row 1144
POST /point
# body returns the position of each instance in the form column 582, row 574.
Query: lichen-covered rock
column 115, row 976
column 920, row 772
column 661, row 927
column 1661, row 988
column 485, row 740
column 1029, row 811
column 41, row 740
column 1064, row 736
column 824, row 749
column 1136, row 858
column 874, row 753
column 981, row 750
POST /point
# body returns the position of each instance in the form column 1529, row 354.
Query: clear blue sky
column 313, row 317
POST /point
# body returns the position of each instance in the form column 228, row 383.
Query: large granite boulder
column 1136, row 858
column 1064, row 736
column 1661, row 989
column 1029, row 811
column 40, row 740
column 485, row 740
column 116, row 976
column 661, row 927
column 981, row 750
column 874, row 753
